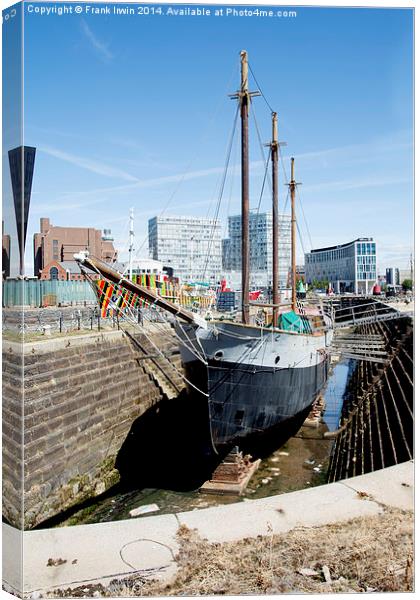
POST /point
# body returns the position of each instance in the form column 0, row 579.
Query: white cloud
column 100, row 47
column 396, row 142
column 155, row 181
column 87, row 163
column 353, row 184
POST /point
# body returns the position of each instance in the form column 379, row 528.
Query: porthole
column 218, row 355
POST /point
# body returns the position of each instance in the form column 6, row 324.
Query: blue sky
column 132, row 111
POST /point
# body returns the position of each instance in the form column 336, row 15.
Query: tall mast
column 274, row 146
column 292, row 187
column 244, row 97
column 275, row 173
column 131, row 247
column 244, row 101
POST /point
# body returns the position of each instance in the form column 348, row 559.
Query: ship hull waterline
column 260, row 387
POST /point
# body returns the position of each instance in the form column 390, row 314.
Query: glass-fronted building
column 261, row 244
column 348, row 267
column 393, row 276
column 191, row 246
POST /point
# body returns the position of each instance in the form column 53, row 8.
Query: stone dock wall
column 81, row 394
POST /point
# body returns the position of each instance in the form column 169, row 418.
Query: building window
column 54, row 274
column 55, row 249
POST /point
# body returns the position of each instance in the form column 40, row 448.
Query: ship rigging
column 259, row 379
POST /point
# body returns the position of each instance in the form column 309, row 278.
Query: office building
column 261, row 244
column 348, row 267
column 392, row 275
column 54, row 248
column 190, row 246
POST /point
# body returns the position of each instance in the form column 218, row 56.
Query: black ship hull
column 250, row 404
column 250, row 415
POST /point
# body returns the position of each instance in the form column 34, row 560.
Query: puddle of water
column 334, row 393
column 302, row 462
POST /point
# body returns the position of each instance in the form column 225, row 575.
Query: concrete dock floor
column 86, row 554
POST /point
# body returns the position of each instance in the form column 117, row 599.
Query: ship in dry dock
column 259, row 378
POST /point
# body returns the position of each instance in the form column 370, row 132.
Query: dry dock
column 84, row 554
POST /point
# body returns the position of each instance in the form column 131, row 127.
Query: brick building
column 5, row 260
column 54, row 248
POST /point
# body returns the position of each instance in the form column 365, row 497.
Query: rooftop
column 342, row 245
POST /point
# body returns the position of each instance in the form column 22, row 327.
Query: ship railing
column 363, row 313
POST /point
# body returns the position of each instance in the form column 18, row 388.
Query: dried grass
column 364, row 554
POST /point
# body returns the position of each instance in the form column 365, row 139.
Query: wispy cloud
column 100, row 48
column 151, row 182
column 88, row 164
column 354, row 184
column 359, row 152
column 126, row 143
column 344, row 155
column 57, row 207
column 156, row 181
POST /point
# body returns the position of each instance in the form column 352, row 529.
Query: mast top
column 244, row 90
column 275, row 144
column 292, row 182
column 275, row 126
column 244, row 71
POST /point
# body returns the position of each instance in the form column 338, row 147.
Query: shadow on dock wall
column 169, row 446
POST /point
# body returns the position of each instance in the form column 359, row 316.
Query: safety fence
column 54, row 320
column 41, row 293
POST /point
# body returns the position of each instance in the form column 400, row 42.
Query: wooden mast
column 275, row 175
column 244, row 97
column 292, row 187
column 244, row 103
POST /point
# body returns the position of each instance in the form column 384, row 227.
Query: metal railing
column 55, row 320
column 372, row 312
column 38, row 293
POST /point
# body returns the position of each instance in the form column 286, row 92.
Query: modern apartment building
column 393, row 276
column 191, row 246
column 54, row 248
column 349, row 267
column 261, row 244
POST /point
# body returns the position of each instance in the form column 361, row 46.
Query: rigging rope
column 259, row 137
column 304, row 218
column 263, row 183
column 222, row 187
column 264, row 161
column 300, row 237
column 283, row 166
column 126, row 243
column 259, row 89
column 193, row 158
column 131, row 318
column 232, row 183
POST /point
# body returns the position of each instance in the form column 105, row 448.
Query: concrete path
column 148, row 545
